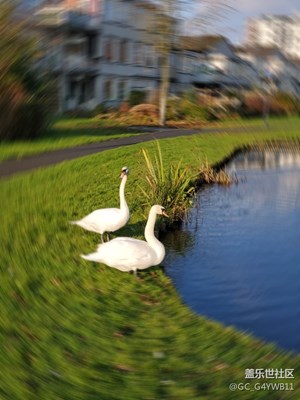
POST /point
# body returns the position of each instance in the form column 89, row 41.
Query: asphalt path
column 11, row 167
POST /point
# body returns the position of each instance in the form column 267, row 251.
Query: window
column 121, row 90
column 107, row 90
column 115, row 50
column 138, row 53
column 187, row 64
column 92, row 46
column 149, row 56
column 107, row 50
column 123, row 51
column 81, row 93
column 90, row 89
column 72, row 89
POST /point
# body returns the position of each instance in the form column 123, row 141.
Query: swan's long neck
column 153, row 242
column 123, row 204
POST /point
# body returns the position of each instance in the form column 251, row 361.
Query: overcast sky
column 243, row 9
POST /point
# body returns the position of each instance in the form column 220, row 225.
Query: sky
column 234, row 22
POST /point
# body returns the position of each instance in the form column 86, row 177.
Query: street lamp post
column 266, row 83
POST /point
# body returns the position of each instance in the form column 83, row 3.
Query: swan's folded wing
column 127, row 253
column 103, row 216
column 108, row 219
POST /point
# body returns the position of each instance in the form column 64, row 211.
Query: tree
column 24, row 91
column 168, row 24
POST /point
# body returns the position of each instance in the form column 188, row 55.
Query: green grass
column 73, row 132
column 73, row 330
column 65, row 133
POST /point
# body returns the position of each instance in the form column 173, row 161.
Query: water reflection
column 267, row 159
column 238, row 259
column 178, row 240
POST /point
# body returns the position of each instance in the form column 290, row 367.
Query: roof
column 149, row 5
column 295, row 61
column 259, row 51
column 200, row 43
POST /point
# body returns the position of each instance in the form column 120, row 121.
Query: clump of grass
column 208, row 174
column 170, row 186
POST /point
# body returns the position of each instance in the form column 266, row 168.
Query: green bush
column 173, row 111
column 288, row 103
column 100, row 109
column 25, row 103
column 79, row 113
column 24, row 113
column 32, row 121
column 184, row 108
column 136, row 97
column 192, row 111
column 278, row 104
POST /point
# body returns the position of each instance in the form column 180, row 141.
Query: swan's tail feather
column 83, row 224
column 91, row 257
column 79, row 223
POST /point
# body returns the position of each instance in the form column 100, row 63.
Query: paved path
column 11, row 167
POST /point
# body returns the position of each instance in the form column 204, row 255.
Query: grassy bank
column 75, row 330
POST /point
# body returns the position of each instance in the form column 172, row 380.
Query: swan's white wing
column 126, row 254
column 103, row 220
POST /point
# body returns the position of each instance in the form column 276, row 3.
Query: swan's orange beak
column 165, row 214
column 124, row 172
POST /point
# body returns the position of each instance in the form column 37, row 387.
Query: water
column 238, row 259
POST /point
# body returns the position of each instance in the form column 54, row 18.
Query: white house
column 217, row 63
column 101, row 50
column 272, row 64
column 69, row 38
column 129, row 60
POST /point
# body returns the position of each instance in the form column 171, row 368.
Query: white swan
column 127, row 254
column 108, row 219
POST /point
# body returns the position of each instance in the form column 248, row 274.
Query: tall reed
column 208, row 174
column 171, row 186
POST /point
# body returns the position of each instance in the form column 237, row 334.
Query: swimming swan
column 127, row 254
column 108, row 219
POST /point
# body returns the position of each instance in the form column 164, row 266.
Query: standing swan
column 127, row 254
column 108, row 219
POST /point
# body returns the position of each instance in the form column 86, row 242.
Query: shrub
column 287, row 102
column 279, row 103
column 32, row 120
column 25, row 113
column 136, row 97
column 99, row 109
column 25, row 103
column 145, row 110
column 142, row 114
column 183, row 108
column 173, row 111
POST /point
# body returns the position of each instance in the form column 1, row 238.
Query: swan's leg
column 102, row 238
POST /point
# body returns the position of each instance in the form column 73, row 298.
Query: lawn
column 72, row 330
column 65, row 133
column 73, row 132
